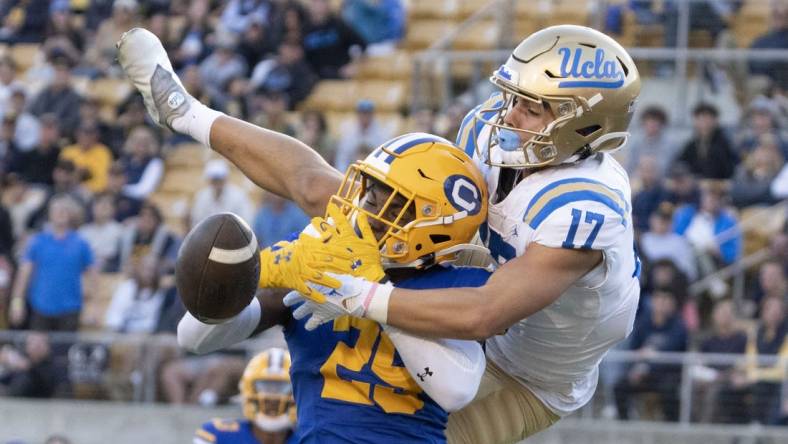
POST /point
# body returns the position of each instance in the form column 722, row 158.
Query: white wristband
column 378, row 307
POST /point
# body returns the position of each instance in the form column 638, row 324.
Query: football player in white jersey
column 559, row 221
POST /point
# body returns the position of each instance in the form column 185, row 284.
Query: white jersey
column 585, row 205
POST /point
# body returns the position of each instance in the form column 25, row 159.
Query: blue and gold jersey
column 228, row 431
column 350, row 384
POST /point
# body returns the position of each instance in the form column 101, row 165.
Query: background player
column 569, row 93
column 424, row 201
column 268, row 405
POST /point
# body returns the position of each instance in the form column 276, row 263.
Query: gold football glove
column 294, row 264
column 361, row 246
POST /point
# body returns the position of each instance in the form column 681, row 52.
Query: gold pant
column 503, row 412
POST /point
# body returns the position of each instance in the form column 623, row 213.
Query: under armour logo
column 514, row 231
column 426, row 373
column 356, row 263
column 333, row 292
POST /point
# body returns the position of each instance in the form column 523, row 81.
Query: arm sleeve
column 148, row 182
column 199, row 337
column 448, row 370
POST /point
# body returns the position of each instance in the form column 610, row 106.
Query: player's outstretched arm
column 265, row 311
column 274, row 161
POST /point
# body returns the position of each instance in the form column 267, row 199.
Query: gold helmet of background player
column 266, row 392
column 586, row 79
column 437, row 198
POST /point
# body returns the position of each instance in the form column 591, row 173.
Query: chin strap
column 430, row 258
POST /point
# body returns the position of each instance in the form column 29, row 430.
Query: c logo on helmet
column 463, row 194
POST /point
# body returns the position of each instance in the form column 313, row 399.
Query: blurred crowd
column 78, row 217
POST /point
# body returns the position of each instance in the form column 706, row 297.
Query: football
column 218, row 268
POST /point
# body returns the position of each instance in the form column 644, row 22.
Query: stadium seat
column 331, row 95
column 423, row 33
column 24, row 55
column 94, row 307
column 398, row 65
column 335, row 120
column 185, row 156
column 480, row 35
column 763, row 225
column 468, row 7
column 182, row 181
column 388, row 95
column 419, row 9
column 109, row 91
column 174, row 208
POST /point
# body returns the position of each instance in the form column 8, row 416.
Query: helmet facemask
column 270, row 404
column 392, row 219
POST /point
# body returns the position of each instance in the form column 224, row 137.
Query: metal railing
column 156, row 350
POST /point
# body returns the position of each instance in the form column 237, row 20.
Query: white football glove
column 356, row 297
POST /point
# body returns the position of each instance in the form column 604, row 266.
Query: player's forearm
column 199, row 337
column 460, row 313
column 277, row 163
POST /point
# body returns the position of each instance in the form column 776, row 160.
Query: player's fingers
column 313, row 322
column 366, row 230
column 340, row 220
column 326, row 282
column 303, row 311
column 292, row 298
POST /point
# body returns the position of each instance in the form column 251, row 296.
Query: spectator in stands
column 682, row 186
column 662, row 331
column 776, row 38
column 650, row 192
column 709, row 15
column 62, row 30
column 104, row 234
column 238, row 15
column 52, row 271
column 288, row 23
column 102, row 53
column 256, row 43
column 125, row 206
column 24, row 22
column 710, row 228
column 717, row 406
column 90, row 156
column 772, row 281
column 8, row 81
column 26, row 126
column 360, row 136
column 220, row 196
column 753, row 179
column 205, row 380
column 136, row 303
column 286, row 73
column 222, row 66
column 29, row 372
column 709, row 154
column 142, row 164
column 191, row 47
column 7, row 242
column 764, row 381
column 8, row 149
column 272, row 107
column 762, row 119
column 660, row 242
column 109, row 133
column 277, row 219
column 328, row 41
column 23, row 202
column 59, row 97
column 381, row 23
column 37, row 165
column 313, row 131
column 146, row 236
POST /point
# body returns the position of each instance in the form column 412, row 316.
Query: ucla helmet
column 444, row 195
column 266, row 392
column 587, row 80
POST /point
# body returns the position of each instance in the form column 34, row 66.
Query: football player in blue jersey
column 420, row 200
column 268, row 405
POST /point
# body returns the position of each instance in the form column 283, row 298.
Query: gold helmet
column 586, row 79
column 266, row 392
column 437, row 198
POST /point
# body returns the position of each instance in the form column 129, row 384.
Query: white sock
column 197, row 122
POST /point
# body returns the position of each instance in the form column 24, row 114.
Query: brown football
column 218, row 268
